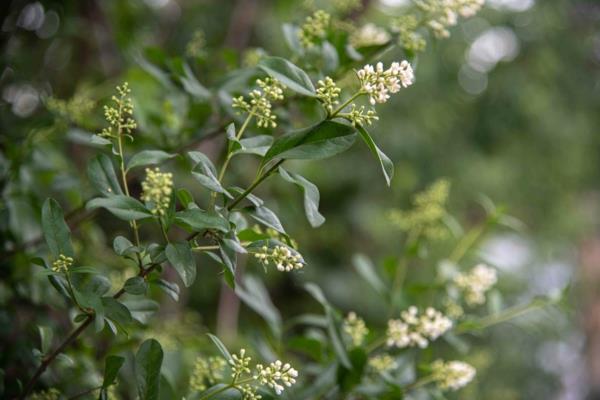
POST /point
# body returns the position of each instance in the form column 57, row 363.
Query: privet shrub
column 312, row 105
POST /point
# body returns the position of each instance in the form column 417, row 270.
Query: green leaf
column 254, row 294
column 190, row 83
column 123, row 246
column 387, row 166
column 56, row 231
column 311, row 196
column 292, row 39
column 332, row 329
column 182, row 259
column 258, row 145
column 136, row 285
column 148, row 157
column 198, row 220
column 170, row 288
column 101, row 173
column 185, row 197
column 319, row 141
column 116, row 311
column 148, row 361
column 205, row 172
column 123, row 207
column 265, row 216
column 141, row 309
column 349, row 377
column 365, row 268
column 84, row 269
column 289, row 74
column 220, row 346
column 112, row 366
column 45, row 338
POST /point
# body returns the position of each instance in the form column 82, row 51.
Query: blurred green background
column 507, row 107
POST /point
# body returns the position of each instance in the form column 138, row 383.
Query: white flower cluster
column 283, row 258
column 369, row 35
column 157, row 189
column 452, row 375
column 379, row 83
column 414, row 329
column 443, row 14
column 475, row 283
column 62, row 264
column 383, row 363
column 276, row 375
column 259, row 104
column 355, row 328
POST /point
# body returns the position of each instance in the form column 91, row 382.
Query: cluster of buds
column 276, row 375
column 408, row 37
column 361, row 116
column 281, row 256
column 427, row 215
column 442, row 14
column 76, row 109
column 346, row 6
column 452, row 375
column 414, row 329
column 328, row 93
column 49, row 394
column 259, row 104
column 314, row 28
column 239, row 363
column 369, row 35
column 119, row 116
column 475, row 283
column 379, row 83
column 382, row 363
column 249, row 392
column 207, row 372
column 195, row 47
column 355, row 328
column 62, row 264
column 157, row 189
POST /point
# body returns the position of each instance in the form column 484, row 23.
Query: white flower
column 369, row 35
column 452, row 375
column 276, row 375
column 379, row 83
column 475, row 283
column 414, row 329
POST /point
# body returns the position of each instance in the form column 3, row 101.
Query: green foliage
column 427, row 299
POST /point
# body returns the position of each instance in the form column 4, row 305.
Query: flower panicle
column 314, row 28
column 355, row 328
column 475, row 283
column 416, row 329
column 378, row 83
column 157, row 189
column 260, row 101
column 62, row 264
column 452, row 375
column 119, row 115
column 284, row 259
